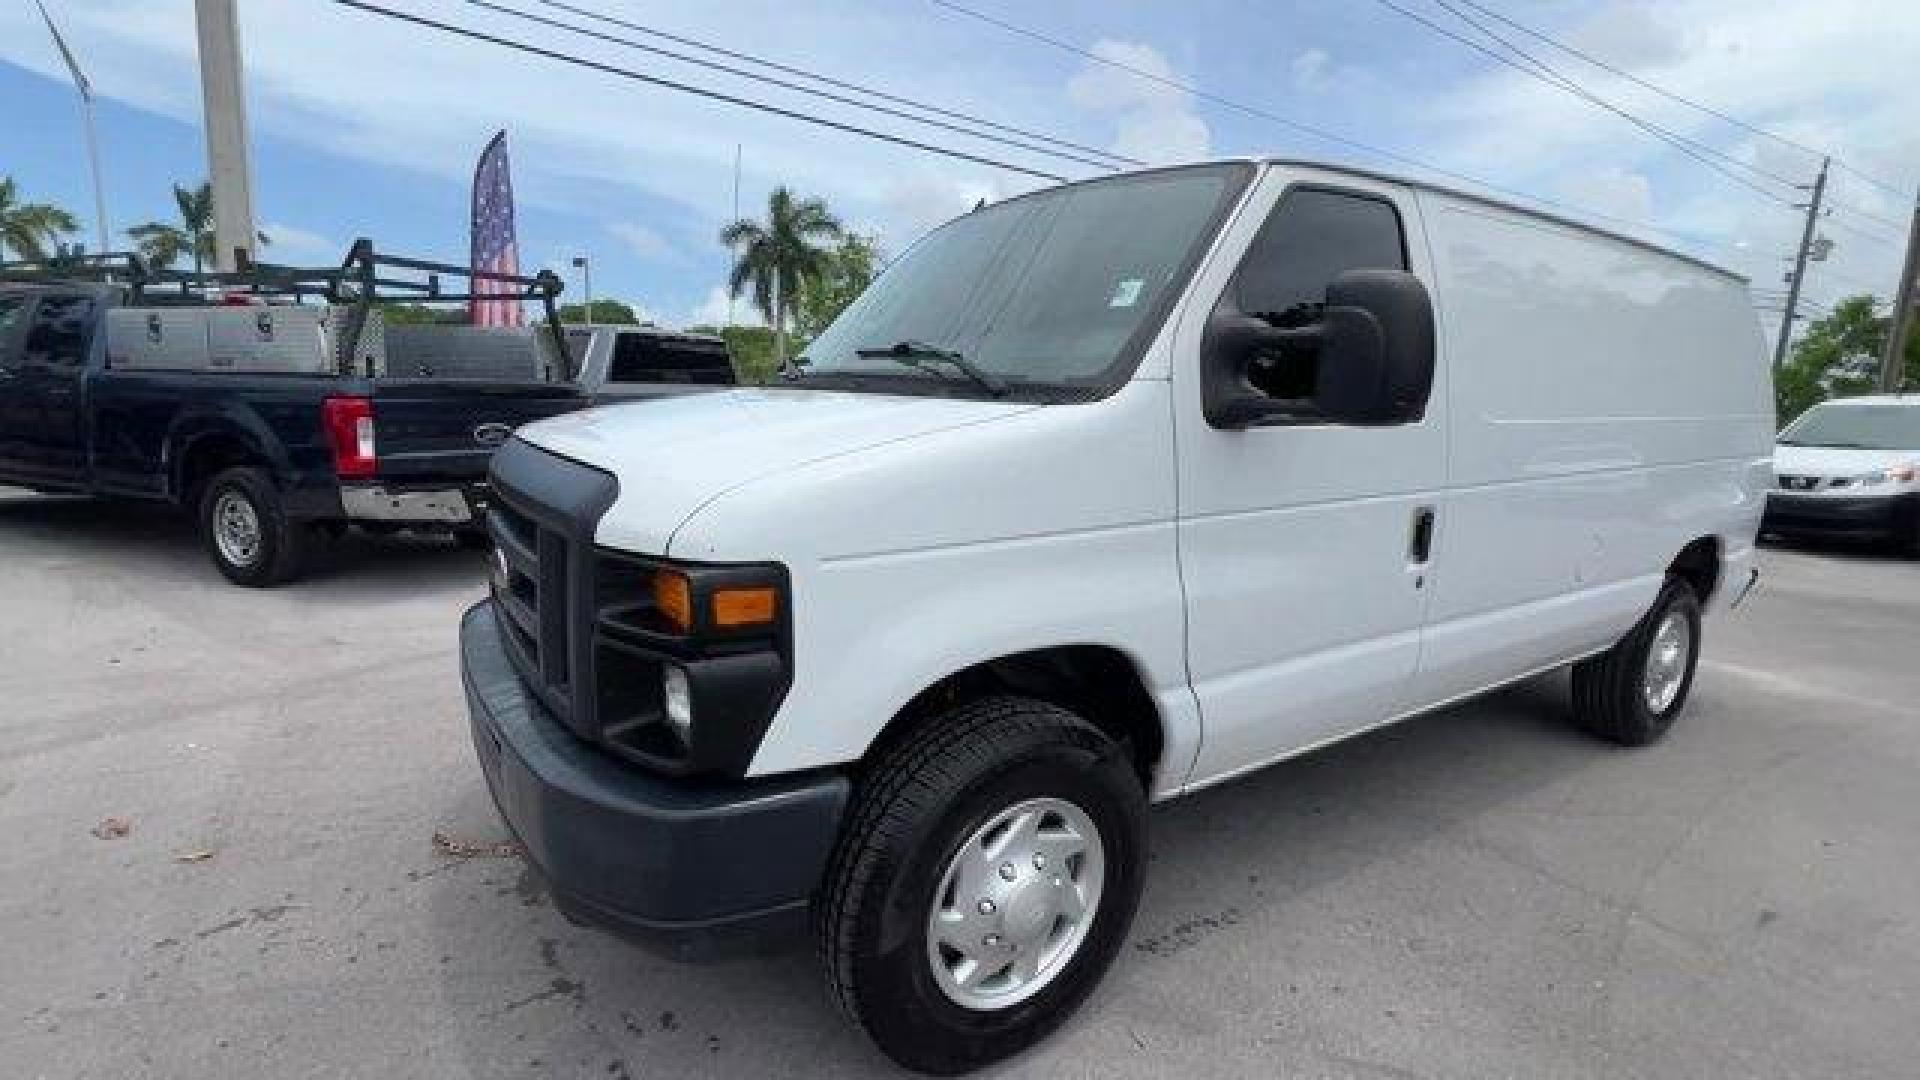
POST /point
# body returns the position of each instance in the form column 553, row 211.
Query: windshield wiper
column 915, row 354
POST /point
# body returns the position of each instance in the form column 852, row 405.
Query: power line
column 1671, row 96
column 699, row 91
column 1329, row 136
column 1551, row 78
column 828, row 95
column 841, row 84
column 1573, row 86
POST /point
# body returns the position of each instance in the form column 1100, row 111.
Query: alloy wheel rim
column 1015, row 903
column 236, row 528
column 1667, row 657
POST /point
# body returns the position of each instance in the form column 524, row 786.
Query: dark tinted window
column 1312, row 237
column 644, row 358
column 61, row 328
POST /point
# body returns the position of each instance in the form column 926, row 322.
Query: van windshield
column 1055, row 291
column 1868, row 425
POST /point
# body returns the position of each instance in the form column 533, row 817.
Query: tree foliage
column 606, row 312
column 1839, row 356
column 163, row 244
column 777, row 257
column 751, row 348
column 30, row 230
column 850, row 268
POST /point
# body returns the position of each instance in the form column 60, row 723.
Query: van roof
column 1458, row 193
column 1504, row 204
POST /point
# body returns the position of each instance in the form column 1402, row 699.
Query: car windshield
column 1870, row 425
column 1059, row 289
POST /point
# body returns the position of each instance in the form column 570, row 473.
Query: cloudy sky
column 363, row 125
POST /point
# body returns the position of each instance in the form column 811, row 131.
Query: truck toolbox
column 693, row 868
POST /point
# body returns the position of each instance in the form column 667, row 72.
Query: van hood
column 1837, row 461
column 673, row 455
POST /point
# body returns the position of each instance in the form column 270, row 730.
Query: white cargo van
column 1098, row 496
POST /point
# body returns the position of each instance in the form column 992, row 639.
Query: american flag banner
column 494, row 248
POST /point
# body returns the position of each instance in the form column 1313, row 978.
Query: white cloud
column 1629, row 35
column 713, row 310
column 1153, row 121
column 1611, row 190
column 644, row 241
column 1312, row 71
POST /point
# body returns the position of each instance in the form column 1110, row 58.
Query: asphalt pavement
column 1477, row 893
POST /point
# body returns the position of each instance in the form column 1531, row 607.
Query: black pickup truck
column 263, row 460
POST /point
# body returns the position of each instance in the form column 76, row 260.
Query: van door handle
column 1420, row 545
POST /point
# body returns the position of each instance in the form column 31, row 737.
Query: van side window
column 1313, row 236
column 60, row 331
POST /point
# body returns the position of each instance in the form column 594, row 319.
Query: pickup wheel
column 1631, row 693
column 987, row 876
column 247, row 531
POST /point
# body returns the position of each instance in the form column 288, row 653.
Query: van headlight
column 677, row 702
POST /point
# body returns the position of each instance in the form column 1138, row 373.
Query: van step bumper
column 694, row 869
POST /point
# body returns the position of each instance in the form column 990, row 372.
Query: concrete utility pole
column 1894, row 362
column 229, row 160
column 1800, row 266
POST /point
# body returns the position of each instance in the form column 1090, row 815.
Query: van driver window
column 1312, row 237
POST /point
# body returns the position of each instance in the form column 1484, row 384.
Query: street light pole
column 585, row 266
column 85, row 88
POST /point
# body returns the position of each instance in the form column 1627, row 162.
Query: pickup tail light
column 349, row 425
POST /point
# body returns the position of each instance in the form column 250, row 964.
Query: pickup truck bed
column 283, row 456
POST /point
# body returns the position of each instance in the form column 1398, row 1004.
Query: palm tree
column 162, row 244
column 778, row 257
column 27, row 228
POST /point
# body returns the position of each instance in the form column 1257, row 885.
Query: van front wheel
column 988, row 875
column 1631, row 693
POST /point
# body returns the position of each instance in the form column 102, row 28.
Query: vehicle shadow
column 1219, row 859
column 156, row 542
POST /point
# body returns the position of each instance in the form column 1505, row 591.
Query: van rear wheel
column 1631, row 693
column 986, row 879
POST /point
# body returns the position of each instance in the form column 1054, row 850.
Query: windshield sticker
column 1126, row 293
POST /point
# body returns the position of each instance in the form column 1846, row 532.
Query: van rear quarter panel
column 1608, row 404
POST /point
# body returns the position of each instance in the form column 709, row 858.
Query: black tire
column 282, row 543
column 1607, row 695
column 922, row 800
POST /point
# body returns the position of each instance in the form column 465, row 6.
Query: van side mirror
column 1366, row 359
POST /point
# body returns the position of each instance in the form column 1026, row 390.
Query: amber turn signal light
column 734, row 608
column 673, row 599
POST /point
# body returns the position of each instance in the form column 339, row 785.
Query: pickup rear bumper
column 690, row 868
column 422, row 505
